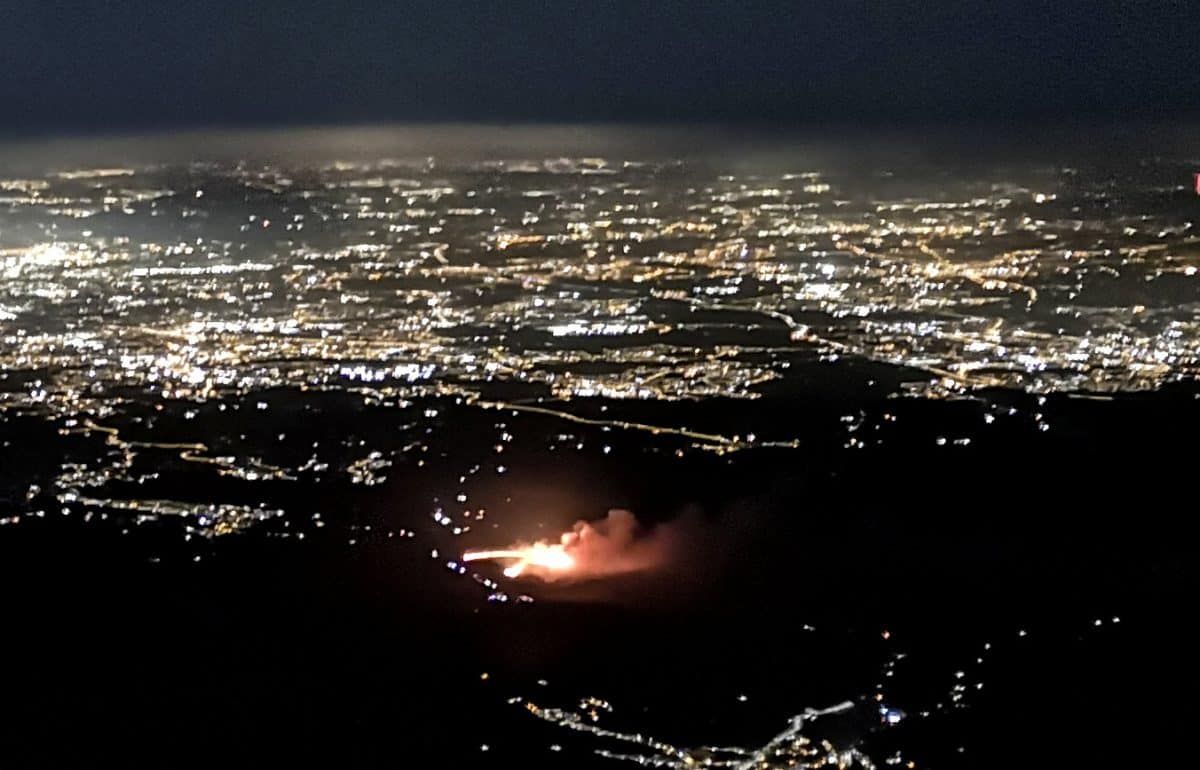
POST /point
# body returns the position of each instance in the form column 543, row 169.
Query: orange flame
column 613, row 545
column 544, row 555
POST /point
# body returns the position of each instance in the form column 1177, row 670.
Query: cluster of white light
column 791, row 748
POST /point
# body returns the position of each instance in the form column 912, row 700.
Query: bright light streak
column 543, row 555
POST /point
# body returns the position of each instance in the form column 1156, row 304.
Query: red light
column 1196, row 179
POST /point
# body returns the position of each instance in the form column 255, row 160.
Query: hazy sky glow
column 141, row 65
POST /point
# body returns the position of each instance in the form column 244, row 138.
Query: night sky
column 108, row 66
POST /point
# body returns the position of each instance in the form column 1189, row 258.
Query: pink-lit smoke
column 616, row 544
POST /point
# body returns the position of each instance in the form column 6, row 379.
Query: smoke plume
column 617, row 544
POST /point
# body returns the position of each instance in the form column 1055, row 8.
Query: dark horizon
column 138, row 67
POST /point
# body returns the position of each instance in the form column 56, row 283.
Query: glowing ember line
column 543, row 555
column 487, row 555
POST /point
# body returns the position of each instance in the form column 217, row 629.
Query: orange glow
column 614, row 545
column 542, row 555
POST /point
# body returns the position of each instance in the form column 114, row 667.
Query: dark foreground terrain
column 1009, row 559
